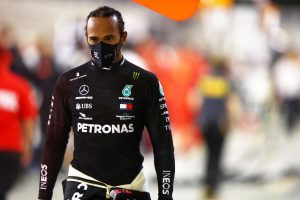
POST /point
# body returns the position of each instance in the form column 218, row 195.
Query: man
column 213, row 122
column 286, row 74
column 107, row 101
column 18, row 112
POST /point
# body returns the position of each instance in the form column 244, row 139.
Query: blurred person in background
column 18, row 112
column 45, row 74
column 213, row 121
column 33, row 60
column 18, row 63
column 107, row 101
column 286, row 74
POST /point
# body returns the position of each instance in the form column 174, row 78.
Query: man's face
column 103, row 29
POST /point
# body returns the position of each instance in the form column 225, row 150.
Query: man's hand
column 28, row 126
column 26, row 157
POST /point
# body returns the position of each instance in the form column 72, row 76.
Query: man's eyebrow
column 109, row 35
column 93, row 36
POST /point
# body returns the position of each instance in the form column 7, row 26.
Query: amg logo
column 106, row 129
column 166, row 180
column 44, row 174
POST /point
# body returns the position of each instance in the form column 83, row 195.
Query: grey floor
column 282, row 189
column 188, row 186
column 259, row 164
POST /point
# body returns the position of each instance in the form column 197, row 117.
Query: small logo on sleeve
column 44, row 174
column 50, row 112
column 166, row 180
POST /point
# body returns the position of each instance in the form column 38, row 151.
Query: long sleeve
column 158, row 125
column 57, row 135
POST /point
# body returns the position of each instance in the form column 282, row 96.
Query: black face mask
column 104, row 54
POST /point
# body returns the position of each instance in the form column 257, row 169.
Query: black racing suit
column 107, row 110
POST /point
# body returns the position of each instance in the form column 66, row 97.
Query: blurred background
column 258, row 46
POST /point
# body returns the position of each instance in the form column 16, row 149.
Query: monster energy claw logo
column 127, row 90
column 135, row 75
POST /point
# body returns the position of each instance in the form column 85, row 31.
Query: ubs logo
column 84, row 90
column 84, row 106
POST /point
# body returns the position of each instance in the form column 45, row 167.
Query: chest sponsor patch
column 80, row 106
column 78, row 76
column 105, row 128
column 125, row 116
column 126, row 106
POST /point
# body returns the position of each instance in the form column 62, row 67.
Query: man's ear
column 85, row 31
column 124, row 37
column 86, row 36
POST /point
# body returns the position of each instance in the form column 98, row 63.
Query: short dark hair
column 106, row 11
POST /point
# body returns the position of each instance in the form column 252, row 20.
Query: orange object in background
column 178, row 71
column 216, row 3
column 175, row 9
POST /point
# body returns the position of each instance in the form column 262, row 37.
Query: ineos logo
column 84, row 90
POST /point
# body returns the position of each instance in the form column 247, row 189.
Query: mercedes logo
column 84, row 89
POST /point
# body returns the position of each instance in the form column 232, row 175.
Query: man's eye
column 111, row 38
column 93, row 39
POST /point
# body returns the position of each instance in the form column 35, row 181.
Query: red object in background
column 178, row 70
column 5, row 59
column 16, row 104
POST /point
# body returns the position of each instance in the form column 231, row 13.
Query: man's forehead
column 105, row 21
column 102, row 25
